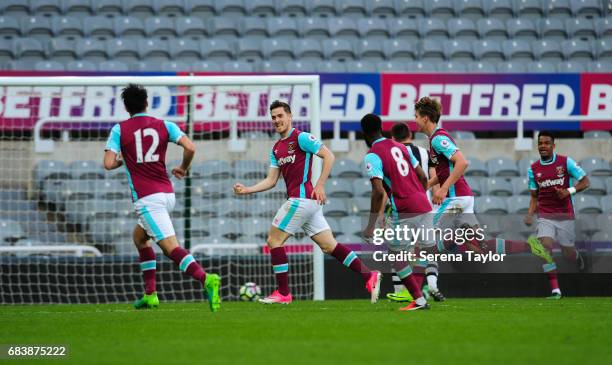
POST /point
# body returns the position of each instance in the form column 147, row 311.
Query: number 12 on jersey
column 150, row 156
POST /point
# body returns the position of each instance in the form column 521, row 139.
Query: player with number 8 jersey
column 142, row 141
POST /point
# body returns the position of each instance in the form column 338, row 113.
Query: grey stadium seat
column 490, row 205
column 49, row 66
column 390, row 66
column 597, row 186
column 205, row 66
column 399, row 50
column 16, row 9
column 553, row 29
column 28, row 49
column 587, row 204
column 186, row 50
column 458, row 51
column 475, row 183
column 606, row 204
column 361, row 67
column 37, row 27
column 263, row 207
column 529, row 9
column 360, row 205
column 67, row 27
column 463, row 135
column 213, row 189
column 351, row 8
column 282, row 28
column 432, row 51
column 9, row 26
column 338, row 49
column 451, row 67
column 98, row 26
column 339, row 188
column 343, row 28
column 352, row 225
column 476, row 168
column 331, row 67
column 363, row 188
column 216, row 169
column 559, row 9
column 190, row 26
column 230, row 8
column 570, row 67
column 129, row 27
column 597, row 134
column 254, row 27
column 154, row 49
column 522, row 29
column 223, row 28
column 261, row 8
column 442, row 9
column 308, row 49
column 541, row 67
column 596, row 166
column 603, row 48
column 249, row 49
column 518, row 204
column 346, row 168
column 272, row 66
column 492, row 29
column 370, row 50
column 50, row 169
column 47, row 8
column 86, row 170
column 280, row 50
column 495, row 186
column 81, row 66
column 511, row 67
column 410, row 8
column 111, row 189
column 233, row 208
column 577, row 50
column 78, row 189
column 404, row 28
column 292, row 8
column 433, row 28
column 604, row 27
column 139, row 8
column 314, row 28
column 335, row 208
column 470, row 9
column 170, row 8
column 110, row 8
column 501, row 9
column 216, row 50
column 322, row 8
column 224, row 227
column 305, row 66
column 123, row 49
column 462, row 28
column 501, row 166
column 420, row 67
column 10, row 232
column 547, row 50
column 257, row 227
column 89, row 49
column 174, row 66
column 373, row 28
column 249, row 169
column 489, row 51
column 587, row 8
column 581, row 28
column 517, row 50
column 200, row 8
column 160, row 26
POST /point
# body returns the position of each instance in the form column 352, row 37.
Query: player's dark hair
column 134, row 98
column 280, row 104
column 371, row 124
column 429, row 107
column 547, row 134
column 400, row 132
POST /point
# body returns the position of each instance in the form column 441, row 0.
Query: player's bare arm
column 318, row 193
column 266, row 184
column 433, row 182
column 460, row 164
column 112, row 160
column 582, row 184
column 533, row 205
column 376, row 204
column 188, row 154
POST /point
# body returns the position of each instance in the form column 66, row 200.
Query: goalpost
column 65, row 223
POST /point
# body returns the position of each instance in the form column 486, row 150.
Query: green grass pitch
column 458, row 331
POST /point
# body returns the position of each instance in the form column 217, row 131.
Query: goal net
column 66, row 224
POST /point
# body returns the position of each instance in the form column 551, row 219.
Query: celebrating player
column 551, row 198
column 142, row 142
column 394, row 171
column 291, row 156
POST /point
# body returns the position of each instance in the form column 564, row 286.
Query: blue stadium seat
column 597, row 134
column 399, row 50
column 308, row 49
column 224, row 27
column 381, row 8
column 373, row 29
column 66, row 27
column 343, row 28
column 433, row 29
column 62, row 50
column 470, row 9
column 331, row 67
column 492, row 29
column 570, row 67
column 559, row 9
column 432, row 51
column 321, row 8
column 160, row 26
column 451, row 67
column 200, row 8
column 111, row 8
column 185, row 50
column 216, row 50
column 489, row 51
column 462, row 28
column 139, row 8
column 596, row 166
column 338, row 49
column 403, row 28
column 545, row 50
column 496, row 186
column 191, row 26
column 351, row 8
column 49, row 66
column 484, row 67
column 522, row 29
column 292, row 8
column 280, row 50
column 500, row 9
column 459, row 51
column 511, row 67
column 490, row 205
column 170, row 8
column 517, row 50
column 597, row 186
column 441, row 9
column 282, row 28
column 577, row 50
column 339, row 188
column 37, row 27
column 231, row 8
column 529, row 9
column 78, row 189
column 9, row 27
column 314, row 28
column 476, row 168
column 552, row 29
column 587, row 8
column 98, row 26
column 129, row 27
column 502, row 166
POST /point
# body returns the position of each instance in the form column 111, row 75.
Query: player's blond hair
column 429, row 107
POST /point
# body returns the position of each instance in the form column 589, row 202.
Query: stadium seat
column 263, row 207
column 279, row 50
column 518, row 204
column 407, row 29
column 502, row 166
column 346, row 168
column 250, row 49
column 233, row 208
column 16, row 9
column 351, row 8
column 257, row 227
column 541, row 67
column 370, row 50
column 338, row 49
column 160, row 26
column 603, row 27
column 517, row 50
column 249, row 169
column 410, row 8
column 65, row 27
column 282, row 28
column 441, row 9
column 373, row 29
column 459, row 51
column 492, row 29
column 174, row 66
column 239, row 66
column 529, row 9
column 470, row 9
column 216, row 50
column 343, row 28
column 597, row 186
column 191, row 26
column 9, row 27
column 79, row 211
column 272, row 66
column 123, row 49
column 50, row 169
column 462, row 28
column 525, row 163
column 433, row 29
column 546, row 50
column 216, row 169
column 109, row 8
column 277, row 192
column 606, row 204
column 451, row 67
column 139, row 8
column 603, row 49
column 205, row 66
column 113, row 66
column 497, row 187
column 463, row 135
column 212, row 189
column 559, row 9
column 352, row 225
column 305, row 66
column 522, row 29
column 90, row 49
column 223, row 28
column 597, row 134
column 331, row 67
column 321, row 8
column 581, row 28
column 129, row 27
column 399, row 50
column 88, row 170
column 49, row 66
column 432, row 51
column 587, row 204
column 586, row 8
column 363, row 187
column 78, row 189
column 424, row 67
column 335, row 208
column 314, row 28
column 570, row 67
column 476, row 168
column 308, row 49
column 577, row 50
column 475, row 184
column 108, row 231
column 511, row 67
column 200, row 8
column 10, row 232
column 390, row 66
column 98, row 27
column 552, row 29
column 21, row 65
column 489, row 51
column 490, row 205
column 339, row 188
column 62, row 50
column 28, row 49
column 596, row 166
column 169, row 8
column 185, row 50
column 360, row 205
column 254, row 27
column 38, row 27
column 46, row 8
column 292, row 8
column 224, row 227
column 500, row 9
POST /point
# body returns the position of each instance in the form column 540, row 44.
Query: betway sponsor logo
column 551, row 182
column 288, row 159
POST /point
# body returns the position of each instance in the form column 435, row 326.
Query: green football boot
column 400, row 296
column 539, row 250
column 211, row 289
column 149, row 301
column 555, row 296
